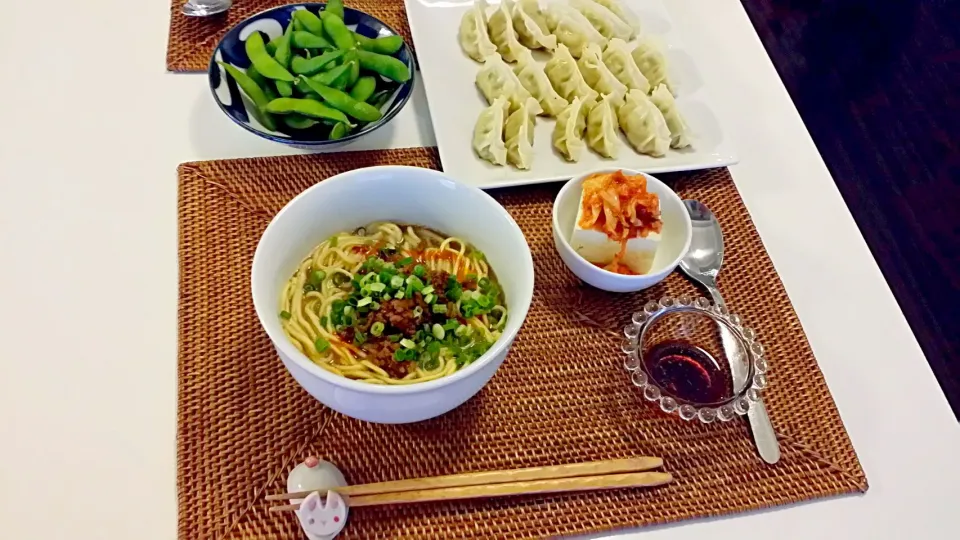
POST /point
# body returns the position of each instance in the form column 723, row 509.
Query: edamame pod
column 342, row 101
column 253, row 90
column 350, row 58
column 327, row 78
column 387, row 66
column 257, row 77
column 338, row 131
column 265, row 64
column 333, row 25
column 311, row 66
column 380, row 45
column 305, row 107
column 309, row 40
column 298, row 121
column 284, row 88
column 309, row 20
column 381, row 97
column 335, row 7
column 364, row 88
column 272, row 44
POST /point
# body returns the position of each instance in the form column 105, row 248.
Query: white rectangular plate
column 455, row 103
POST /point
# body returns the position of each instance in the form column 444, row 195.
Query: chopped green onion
column 394, row 337
column 375, row 306
column 321, row 344
column 285, row 315
column 419, row 270
column 427, row 290
column 399, row 295
column 438, row 331
column 348, row 310
column 323, row 320
column 484, row 301
column 451, row 324
column 417, row 311
column 360, row 338
column 483, row 283
column 429, row 298
column 405, row 261
column 366, row 300
column 439, row 308
column 377, row 328
column 471, row 277
column 396, row 282
column 309, row 288
column 377, row 287
column 477, row 254
column 461, row 330
column 317, row 277
column 404, row 355
column 333, row 241
column 415, row 282
column 407, row 344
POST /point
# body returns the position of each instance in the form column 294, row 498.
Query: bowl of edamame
column 311, row 75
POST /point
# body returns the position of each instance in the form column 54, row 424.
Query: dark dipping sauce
column 686, row 372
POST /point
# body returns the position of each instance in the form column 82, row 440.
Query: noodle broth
column 393, row 304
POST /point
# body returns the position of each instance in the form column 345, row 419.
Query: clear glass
column 694, row 359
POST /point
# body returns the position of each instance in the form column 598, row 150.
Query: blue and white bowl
column 271, row 22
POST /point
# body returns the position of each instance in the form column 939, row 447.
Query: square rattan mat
column 561, row 396
column 192, row 39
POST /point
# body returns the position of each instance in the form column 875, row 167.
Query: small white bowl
column 405, row 195
column 675, row 236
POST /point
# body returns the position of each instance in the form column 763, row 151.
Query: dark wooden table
column 878, row 87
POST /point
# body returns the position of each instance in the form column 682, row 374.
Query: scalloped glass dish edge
column 736, row 405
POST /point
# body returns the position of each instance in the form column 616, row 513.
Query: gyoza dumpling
column 572, row 28
column 604, row 20
column 597, row 75
column 643, row 124
column 503, row 34
column 623, row 12
column 496, row 78
column 568, row 132
column 535, row 81
column 531, row 26
column 602, row 128
column 652, row 63
column 679, row 132
column 519, row 135
column 566, row 78
column 473, row 32
column 618, row 60
column 488, row 133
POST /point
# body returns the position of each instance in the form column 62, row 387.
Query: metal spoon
column 702, row 264
column 205, row 8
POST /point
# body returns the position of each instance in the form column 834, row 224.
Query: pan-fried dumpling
column 519, row 135
column 535, row 81
column 572, row 28
column 652, row 63
column 618, row 60
column 643, row 124
column 679, row 132
column 473, row 32
column 597, row 75
column 623, row 12
column 531, row 26
column 568, row 132
column 603, row 19
column 488, row 133
column 496, row 78
column 602, row 128
column 502, row 33
column 566, row 78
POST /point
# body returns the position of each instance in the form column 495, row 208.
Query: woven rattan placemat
column 192, row 39
column 561, row 396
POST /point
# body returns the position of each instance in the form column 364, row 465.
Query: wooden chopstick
column 591, row 468
column 556, row 485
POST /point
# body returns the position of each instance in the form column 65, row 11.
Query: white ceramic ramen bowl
column 675, row 236
column 406, row 195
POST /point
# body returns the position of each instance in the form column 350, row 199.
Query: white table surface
column 93, row 131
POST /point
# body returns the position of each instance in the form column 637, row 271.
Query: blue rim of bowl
column 395, row 108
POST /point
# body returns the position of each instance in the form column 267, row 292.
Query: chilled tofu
column 596, row 247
